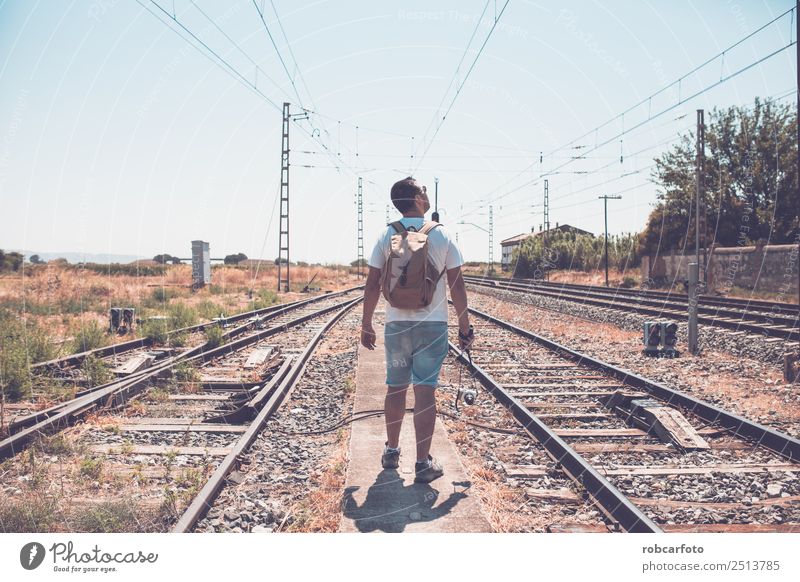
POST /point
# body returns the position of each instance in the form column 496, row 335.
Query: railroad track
column 178, row 438
column 650, row 458
column 131, row 359
column 25, row 427
column 771, row 319
column 112, row 354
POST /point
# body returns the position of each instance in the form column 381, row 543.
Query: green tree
column 750, row 181
column 165, row 258
column 235, row 259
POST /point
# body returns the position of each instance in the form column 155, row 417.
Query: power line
column 648, row 100
column 455, row 73
column 461, row 85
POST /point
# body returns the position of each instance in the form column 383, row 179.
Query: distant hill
column 73, row 257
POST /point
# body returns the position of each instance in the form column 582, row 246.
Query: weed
column 21, row 342
column 95, row 371
column 32, row 515
column 169, row 506
column 186, row 372
column 56, row 444
column 158, row 395
column 89, row 336
column 181, row 315
column 91, row 467
column 161, row 294
column 177, row 340
column 208, row 310
column 108, row 517
column 156, row 330
column 215, row 337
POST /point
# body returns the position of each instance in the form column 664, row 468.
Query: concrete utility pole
column 360, row 231
column 435, row 215
column 797, row 118
column 283, row 235
column 605, row 200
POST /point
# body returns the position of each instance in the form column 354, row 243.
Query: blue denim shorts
column 415, row 351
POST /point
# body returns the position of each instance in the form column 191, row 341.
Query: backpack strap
column 398, row 226
column 429, row 226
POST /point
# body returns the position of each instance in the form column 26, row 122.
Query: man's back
column 443, row 253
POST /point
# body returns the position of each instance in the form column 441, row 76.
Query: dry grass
column 64, row 299
column 321, row 510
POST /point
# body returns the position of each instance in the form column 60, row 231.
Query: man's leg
column 424, row 418
column 394, row 407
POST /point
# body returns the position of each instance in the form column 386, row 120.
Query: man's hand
column 466, row 338
column 368, row 336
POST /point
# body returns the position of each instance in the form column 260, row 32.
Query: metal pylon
column 283, row 236
column 360, row 231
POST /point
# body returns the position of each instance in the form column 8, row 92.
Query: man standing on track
column 415, row 339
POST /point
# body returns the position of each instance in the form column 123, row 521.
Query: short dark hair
column 403, row 194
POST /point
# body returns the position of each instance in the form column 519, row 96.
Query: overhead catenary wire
column 681, row 100
column 428, row 143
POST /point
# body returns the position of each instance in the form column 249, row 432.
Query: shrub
column 156, row 330
column 92, row 467
column 134, row 269
column 21, row 343
column 186, row 372
column 161, row 294
column 181, row 315
column 628, row 282
column 265, row 298
column 95, row 371
column 208, row 310
column 214, row 336
column 88, row 337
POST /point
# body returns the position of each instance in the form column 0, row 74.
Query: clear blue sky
column 117, row 136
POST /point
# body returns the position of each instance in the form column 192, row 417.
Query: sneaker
column 390, row 458
column 427, row 472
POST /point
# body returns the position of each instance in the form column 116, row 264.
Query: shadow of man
column 391, row 504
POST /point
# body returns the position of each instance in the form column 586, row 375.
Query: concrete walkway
column 388, row 500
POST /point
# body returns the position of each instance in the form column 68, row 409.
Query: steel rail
column 202, row 502
column 122, row 347
column 779, row 314
column 117, row 393
column 725, row 302
column 610, row 500
column 783, row 444
column 615, row 295
column 636, row 306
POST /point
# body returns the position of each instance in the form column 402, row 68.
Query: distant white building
column 508, row 245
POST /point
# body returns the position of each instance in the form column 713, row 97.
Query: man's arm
column 458, row 293
column 372, row 292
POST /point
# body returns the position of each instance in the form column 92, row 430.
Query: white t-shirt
column 443, row 253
